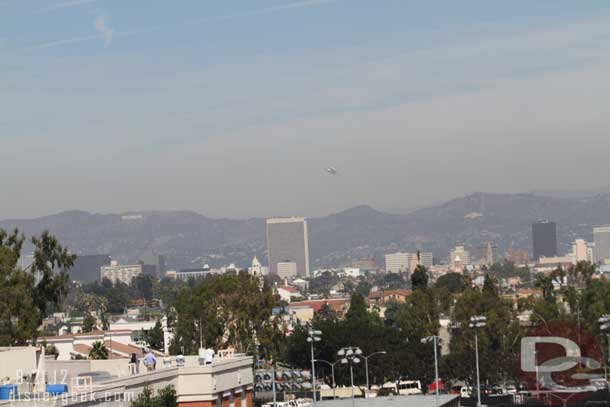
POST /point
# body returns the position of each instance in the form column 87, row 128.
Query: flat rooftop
column 394, row 401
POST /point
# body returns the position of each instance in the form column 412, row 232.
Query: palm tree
column 98, row 351
column 545, row 284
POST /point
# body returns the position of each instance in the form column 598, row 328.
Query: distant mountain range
column 189, row 239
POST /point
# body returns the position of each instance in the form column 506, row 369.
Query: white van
column 409, row 387
column 402, row 387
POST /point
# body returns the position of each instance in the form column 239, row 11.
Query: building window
column 231, row 400
column 219, row 400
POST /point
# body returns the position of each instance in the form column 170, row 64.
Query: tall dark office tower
column 544, row 238
column 86, row 268
column 287, row 245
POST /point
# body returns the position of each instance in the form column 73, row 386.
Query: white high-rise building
column 581, row 251
column 118, row 272
column 425, row 259
column 601, row 237
column 407, row 262
column 397, row 262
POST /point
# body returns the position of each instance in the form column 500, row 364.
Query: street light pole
column 351, row 374
column 436, row 371
column 332, row 370
column 350, row 355
column 476, row 346
column 273, row 386
column 366, row 366
column 434, row 339
column 477, row 321
column 604, row 326
column 314, row 336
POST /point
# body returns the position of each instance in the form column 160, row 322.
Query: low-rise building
column 227, row 381
column 381, row 297
column 350, row 272
column 287, row 293
column 338, row 305
column 77, row 346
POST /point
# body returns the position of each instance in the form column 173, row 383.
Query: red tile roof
column 336, row 304
column 80, row 335
column 82, row 349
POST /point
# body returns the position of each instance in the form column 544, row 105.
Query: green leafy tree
column 89, row 323
column 453, row 282
column 359, row 328
column 154, row 337
column 23, row 303
column 228, row 310
column 364, row 287
column 98, row 351
column 326, row 313
column 104, row 320
column 144, row 286
column 116, row 295
column 391, row 312
column 166, row 397
column 393, row 281
column 508, row 269
column 51, row 350
column 419, row 278
column 498, row 340
column 50, row 255
column 323, row 283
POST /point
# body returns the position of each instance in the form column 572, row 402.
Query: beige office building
column 118, row 272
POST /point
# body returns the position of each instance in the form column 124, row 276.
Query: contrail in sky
column 66, row 4
column 108, row 38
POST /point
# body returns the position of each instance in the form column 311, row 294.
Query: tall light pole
column 366, row 365
column 314, row 336
column 273, row 386
column 350, row 355
column 604, row 326
column 332, row 369
column 476, row 322
column 434, row 339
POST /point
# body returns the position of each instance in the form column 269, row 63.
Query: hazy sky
column 234, row 108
